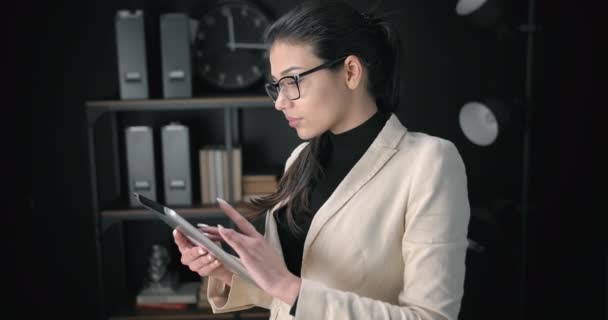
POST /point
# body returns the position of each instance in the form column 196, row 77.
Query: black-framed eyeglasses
column 289, row 86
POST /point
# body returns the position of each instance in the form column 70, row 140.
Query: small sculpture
column 161, row 279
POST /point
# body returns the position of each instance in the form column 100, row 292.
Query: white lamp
column 481, row 122
column 484, row 13
column 466, row 7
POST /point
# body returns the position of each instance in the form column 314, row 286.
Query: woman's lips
column 293, row 122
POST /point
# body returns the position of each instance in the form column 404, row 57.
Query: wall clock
column 227, row 47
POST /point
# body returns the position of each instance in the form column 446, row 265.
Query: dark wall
column 567, row 244
column 68, row 51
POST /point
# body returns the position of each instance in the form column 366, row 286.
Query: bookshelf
column 108, row 193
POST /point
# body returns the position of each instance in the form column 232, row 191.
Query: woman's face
column 324, row 96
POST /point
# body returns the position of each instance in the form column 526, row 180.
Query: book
column 163, row 306
column 214, row 165
column 204, row 176
column 260, row 184
column 237, row 169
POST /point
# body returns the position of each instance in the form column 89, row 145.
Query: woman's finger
column 182, row 242
column 187, row 257
column 241, row 222
column 209, row 268
column 192, row 254
column 235, row 240
column 210, row 232
column 215, row 238
column 200, row 262
column 207, row 229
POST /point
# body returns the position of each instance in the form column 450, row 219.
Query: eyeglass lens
column 287, row 86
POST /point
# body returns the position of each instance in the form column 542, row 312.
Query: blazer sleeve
column 241, row 295
column 433, row 249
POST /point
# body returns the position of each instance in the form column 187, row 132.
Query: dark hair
column 333, row 29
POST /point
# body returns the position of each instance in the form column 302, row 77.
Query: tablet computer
column 175, row 221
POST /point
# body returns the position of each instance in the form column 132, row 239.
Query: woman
column 370, row 220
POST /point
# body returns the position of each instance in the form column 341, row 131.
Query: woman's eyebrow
column 284, row 72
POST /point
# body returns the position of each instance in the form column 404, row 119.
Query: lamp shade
column 482, row 122
column 483, row 13
column 466, row 7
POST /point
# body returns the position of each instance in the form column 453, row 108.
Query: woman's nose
column 281, row 102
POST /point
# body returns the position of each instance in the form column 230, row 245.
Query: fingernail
column 210, row 258
column 201, row 225
column 217, row 262
column 206, row 234
column 221, row 200
column 201, row 252
column 174, row 233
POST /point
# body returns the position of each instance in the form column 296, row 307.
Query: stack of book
column 214, row 174
column 257, row 185
column 176, row 299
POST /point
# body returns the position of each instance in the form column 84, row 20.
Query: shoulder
column 426, row 143
column 426, row 149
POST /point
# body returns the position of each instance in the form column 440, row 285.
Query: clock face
column 228, row 45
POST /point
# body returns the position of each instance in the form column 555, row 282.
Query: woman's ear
column 353, row 72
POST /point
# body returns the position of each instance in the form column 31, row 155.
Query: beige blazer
column 389, row 243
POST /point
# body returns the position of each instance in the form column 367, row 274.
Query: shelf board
column 191, row 314
column 109, row 217
column 179, row 104
column 137, row 214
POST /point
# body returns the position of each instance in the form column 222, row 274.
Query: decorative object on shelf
column 131, row 51
column 162, row 288
column 176, row 164
column 227, row 44
column 175, row 53
column 139, row 142
column 160, row 279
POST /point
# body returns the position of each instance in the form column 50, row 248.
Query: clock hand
column 247, row 45
column 230, row 30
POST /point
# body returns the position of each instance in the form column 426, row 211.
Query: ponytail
column 389, row 92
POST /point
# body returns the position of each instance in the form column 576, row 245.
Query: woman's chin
column 305, row 134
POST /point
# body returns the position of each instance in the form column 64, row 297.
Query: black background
column 61, row 54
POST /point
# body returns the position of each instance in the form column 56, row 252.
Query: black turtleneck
column 343, row 152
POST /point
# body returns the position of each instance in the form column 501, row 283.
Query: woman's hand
column 260, row 259
column 199, row 259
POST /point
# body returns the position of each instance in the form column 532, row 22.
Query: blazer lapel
column 380, row 151
column 272, row 233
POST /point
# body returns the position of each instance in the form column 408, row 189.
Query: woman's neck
column 355, row 115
